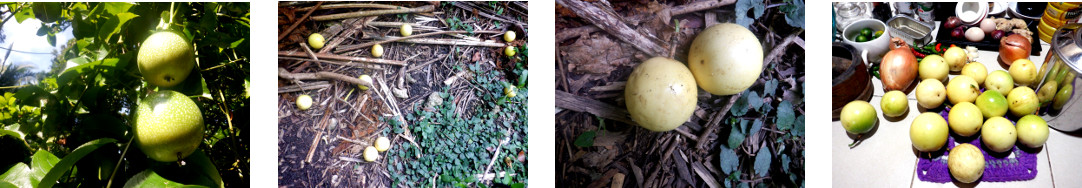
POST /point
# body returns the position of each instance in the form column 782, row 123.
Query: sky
column 25, row 37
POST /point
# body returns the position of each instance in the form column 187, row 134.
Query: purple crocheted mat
column 999, row 168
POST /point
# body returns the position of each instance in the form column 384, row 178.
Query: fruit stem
column 121, row 160
column 856, row 142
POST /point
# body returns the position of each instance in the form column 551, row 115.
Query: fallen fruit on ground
column 509, row 36
column 382, row 144
column 858, row 117
column 510, row 91
column 316, row 41
column 509, row 51
column 377, row 50
column 661, row 94
column 928, row 132
column 406, row 30
column 998, row 134
column 168, row 126
column 364, row 77
column 304, row 102
column 370, row 154
column 966, row 163
column 165, row 59
column 1032, row 131
column 726, row 59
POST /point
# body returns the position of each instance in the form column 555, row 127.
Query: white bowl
column 998, row 8
column 874, row 48
column 971, row 13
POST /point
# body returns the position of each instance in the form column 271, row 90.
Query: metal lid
column 1067, row 45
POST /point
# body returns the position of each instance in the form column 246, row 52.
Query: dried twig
column 352, row 5
column 582, row 104
column 342, row 58
column 298, row 22
column 718, row 116
column 454, row 42
column 365, row 45
column 614, row 25
column 304, row 86
column 322, row 76
column 426, row 8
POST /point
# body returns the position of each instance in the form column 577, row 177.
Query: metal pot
column 1062, row 64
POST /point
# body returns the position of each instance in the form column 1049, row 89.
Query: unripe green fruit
column 316, row 40
column 166, row 59
column 168, row 124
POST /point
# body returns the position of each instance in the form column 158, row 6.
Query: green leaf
column 114, row 25
column 762, row 161
column 199, row 172
column 585, row 139
column 69, row 161
column 798, row 127
column 786, row 116
column 23, row 15
column 785, row 163
column 116, row 7
column 735, row 138
column 754, row 100
column 729, row 160
column 743, row 6
column 795, row 16
column 42, row 162
column 20, row 175
column 758, row 124
column 770, row 87
column 741, row 106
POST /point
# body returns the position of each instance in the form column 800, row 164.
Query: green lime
column 867, row 32
column 862, row 38
column 877, row 34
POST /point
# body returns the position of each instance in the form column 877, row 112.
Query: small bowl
column 1027, row 10
column 971, row 13
column 997, row 8
column 875, row 47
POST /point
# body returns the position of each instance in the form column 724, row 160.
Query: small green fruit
column 168, row 125
column 1047, row 92
column 316, row 41
column 377, row 50
column 165, row 59
column 406, row 30
column 992, row 104
column 366, row 78
column 1062, row 96
column 894, row 103
column 858, row 117
column 304, row 102
column 509, row 36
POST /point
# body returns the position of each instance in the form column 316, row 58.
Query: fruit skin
column 858, row 117
column 962, row 89
column 1022, row 101
column 661, row 94
column 1032, row 131
column 965, row 119
column 956, row 58
column 726, row 59
column 165, row 59
column 999, row 134
column 928, row 132
column 1047, row 92
column 966, row 163
column 509, row 36
column 167, row 123
column 304, row 102
column 509, row 51
column 1062, row 96
column 894, row 103
column 371, row 154
column 510, row 91
column 977, row 71
column 377, row 50
column 406, row 30
column 1024, row 72
column 992, row 104
column 930, row 93
column 316, row 41
column 382, row 144
column 933, row 66
column 364, row 77
column 1000, row 81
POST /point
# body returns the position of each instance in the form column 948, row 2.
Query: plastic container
column 1062, row 64
column 1062, row 12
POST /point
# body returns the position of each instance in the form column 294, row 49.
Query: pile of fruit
column 867, row 34
column 978, row 105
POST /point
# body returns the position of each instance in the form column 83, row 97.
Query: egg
column 974, row 34
column 987, row 25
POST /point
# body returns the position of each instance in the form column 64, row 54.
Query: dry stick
column 454, row 42
column 471, row 9
column 365, row 45
column 399, row 24
column 582, row 104
column 352, row 64
column 496, row 155
column 614, row 25
column 298, row 22
column 342, row 58
column 304, row 86
column 426, row 8
column 677, row 10
column 315, row 140
column 321, row 76
column 352, row 5
column 713, row 124
column 779, row 50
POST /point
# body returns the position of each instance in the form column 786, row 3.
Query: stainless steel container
column 1061, row 66
column 912, row 31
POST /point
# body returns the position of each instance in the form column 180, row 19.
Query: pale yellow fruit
column 377, row 50
column 962, row 89
column 966, row 163
column 364, row 77
column 928, row 132
column 509, row 36
column 510, row 91
column 382, row 144
column 998, row 134
column 956, row 58
column 977, row 71
column 509, row 51
column 370, row 154
column 1022, row 101
column 726, row 59
column 304, row 102
column 933, row 67
column 1032, row 131
column 1024, row 72
column 406, row 30
column 1000, row 81
column 894, row 103
column 930, row 93
column 168, row 125
column 316, row 41
column 661, row 94
column 965, row 119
